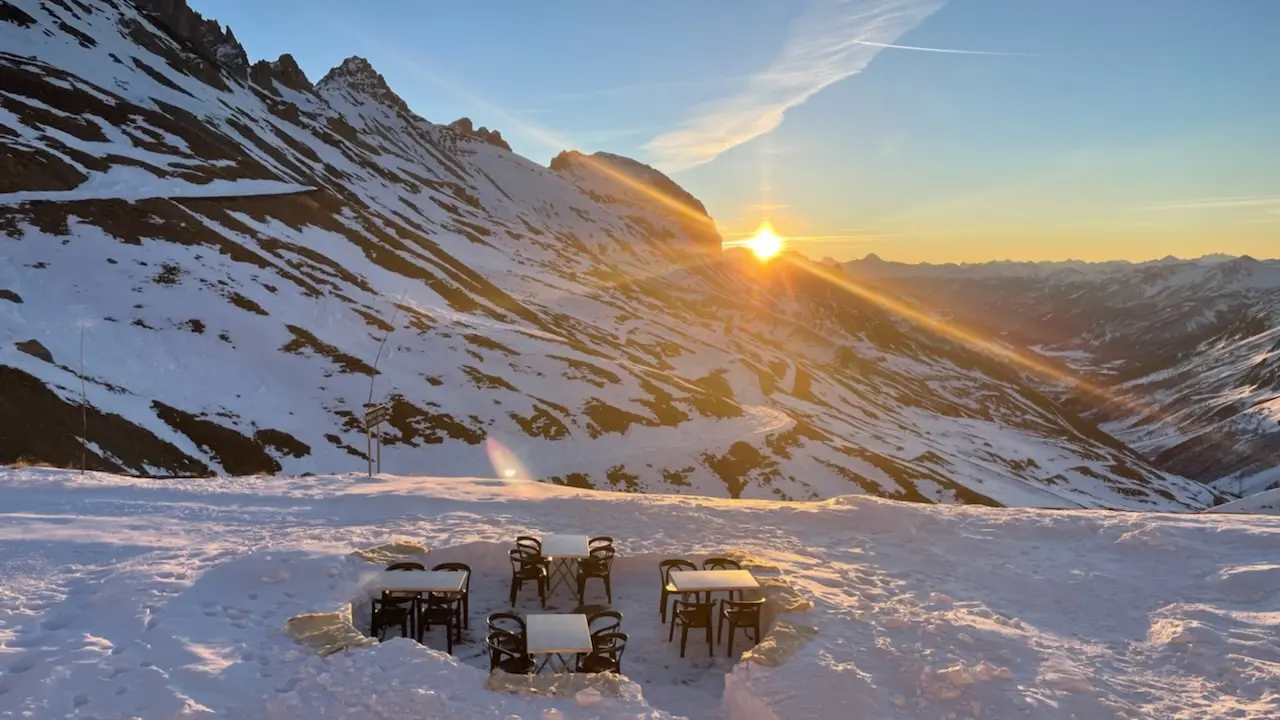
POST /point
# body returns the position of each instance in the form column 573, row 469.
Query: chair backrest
column 744, row 607
column 699, row 613
column 497, row 619
column 522, row 556
column 610, row 645
column 457, row 567
column 601, row 540
column 502, row 645
column 720, row 563
column 604, row 622
column 602, row 556
column 666, row 566
column 406, row 566
column 394, row 599
column 530, row 542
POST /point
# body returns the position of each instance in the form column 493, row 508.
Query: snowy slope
column 160, row 598
column 1190, row 350
column 1266, row 502
column 576, row 324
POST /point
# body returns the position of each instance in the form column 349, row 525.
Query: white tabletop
column 547, row 633
column 441, row 581
column 709, row 580
column 565, row 546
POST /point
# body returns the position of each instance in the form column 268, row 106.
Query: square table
column 709, row 581
column 416, row 582
column 556, row 635
column 565, row 551
column 437, row 581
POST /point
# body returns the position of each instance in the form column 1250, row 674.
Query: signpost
column 375, row 415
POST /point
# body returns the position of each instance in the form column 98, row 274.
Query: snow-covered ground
column 122, row 598
column 131, row 183
column 1267, row 502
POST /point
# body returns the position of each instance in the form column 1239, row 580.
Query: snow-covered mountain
column 237, row 261
column 1188, row 351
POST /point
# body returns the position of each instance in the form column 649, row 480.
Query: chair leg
column 672, row 632
column 514, row 587
column 542, row 593
column 663, row 603
column 608, row 588
column 711, row 646
column 729, row 650
column 684, row 638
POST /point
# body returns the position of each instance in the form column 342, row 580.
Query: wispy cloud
column 830, row 41
column 945, row 50
column 1217, row 203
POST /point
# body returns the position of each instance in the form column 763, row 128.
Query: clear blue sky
column 1068, row 128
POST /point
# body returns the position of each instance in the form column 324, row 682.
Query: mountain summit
column 204, row 276
column 357, row 75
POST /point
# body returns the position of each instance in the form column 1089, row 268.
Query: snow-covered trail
column 158, row 598
column 131, row 183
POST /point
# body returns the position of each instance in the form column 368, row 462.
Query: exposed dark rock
column 36, row 425
column 35, row 350
column 284, row 71
column 464, row 126
column 357, row 74
column 206, row 37
column 237, row 454
column 15, row 15
column 290, row 75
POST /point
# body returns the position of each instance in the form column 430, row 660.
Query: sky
column 918, row 130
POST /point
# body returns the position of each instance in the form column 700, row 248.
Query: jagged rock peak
column 284, row 71
column 290, row 75
column 207, row 37
column 464, row 126
column 634, row 169
column 357, row 74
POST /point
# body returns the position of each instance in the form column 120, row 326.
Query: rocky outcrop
column 634, row 175
column 464, row 126
column 357, row 75
column 206, row 37
column 284, row 71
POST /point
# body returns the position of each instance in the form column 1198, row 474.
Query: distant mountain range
column 1188, row 351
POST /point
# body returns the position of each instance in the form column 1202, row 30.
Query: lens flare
column 504, row 462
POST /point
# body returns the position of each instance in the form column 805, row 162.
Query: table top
column 565, row 546
column 709, row 580
column 551, row 633
column 442, row 581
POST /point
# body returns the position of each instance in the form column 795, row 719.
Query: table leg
column 557, row 662
column 563, row 570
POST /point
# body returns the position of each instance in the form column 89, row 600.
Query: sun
column 765, row 243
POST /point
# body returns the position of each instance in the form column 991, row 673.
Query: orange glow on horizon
column 765, row 243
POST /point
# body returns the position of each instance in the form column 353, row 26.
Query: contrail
column 944, row 50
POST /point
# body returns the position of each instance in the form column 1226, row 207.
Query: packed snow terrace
column 159, row 598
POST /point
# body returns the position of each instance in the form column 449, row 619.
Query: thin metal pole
column 84, row 410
